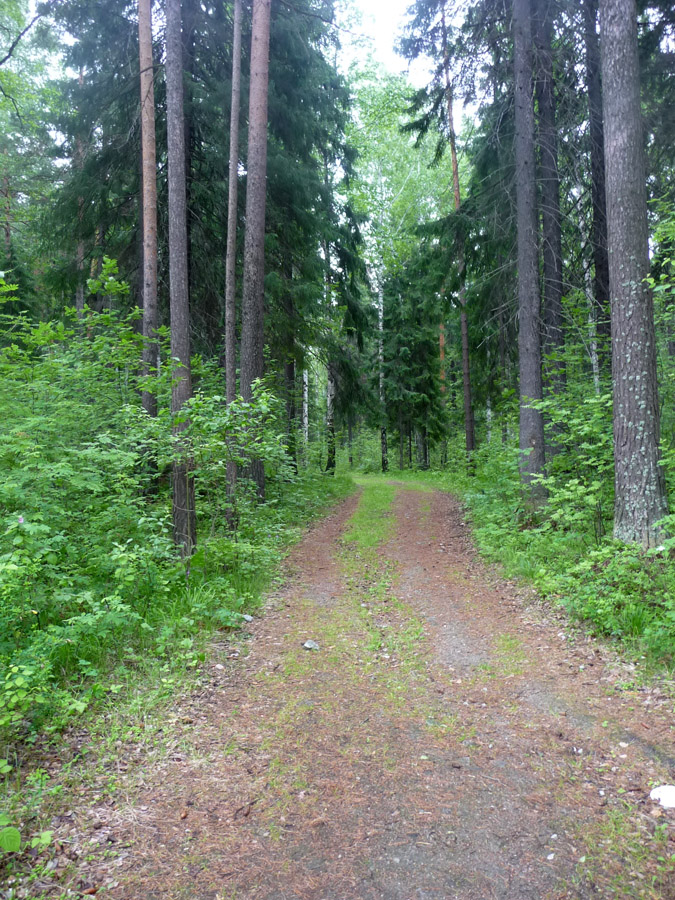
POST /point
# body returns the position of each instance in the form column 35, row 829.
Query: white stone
column 665, row 795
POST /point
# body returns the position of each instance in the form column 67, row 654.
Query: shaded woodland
column 234, row 272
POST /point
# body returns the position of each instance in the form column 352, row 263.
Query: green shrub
column 90, row 580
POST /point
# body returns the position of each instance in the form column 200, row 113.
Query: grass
column 372, row 523
column 619, row 849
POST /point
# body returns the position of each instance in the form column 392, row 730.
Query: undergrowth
column 92, row 590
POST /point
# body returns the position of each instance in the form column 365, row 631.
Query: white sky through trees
column 372, row 27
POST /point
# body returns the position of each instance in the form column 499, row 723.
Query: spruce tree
column 529, row 325
column 252, row 326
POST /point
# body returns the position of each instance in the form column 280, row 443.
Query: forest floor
column 451, row 737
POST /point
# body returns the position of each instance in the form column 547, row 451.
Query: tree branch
column 13, row 102
column 18, row 38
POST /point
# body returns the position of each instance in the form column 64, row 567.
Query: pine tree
column 184, row 515
column 640, row 498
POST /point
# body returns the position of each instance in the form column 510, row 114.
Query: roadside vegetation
column 92, row 589
column 565, row 550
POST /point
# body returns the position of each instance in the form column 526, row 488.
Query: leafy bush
column 625, row 593
column 90, row 581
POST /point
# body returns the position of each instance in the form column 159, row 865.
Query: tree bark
column 503, row 374
column 598, row 199
column 149, row 179
column 291, row 411
column 592, row 311
column 441, row 352
column 554, row 339
column 231, row 251
column 469, row 428
column 232, row 200
column 529, row 333
column 401, row 439
column 305, row 414
column 330, row 424
column 184, row 515
column 640, row 497
column 79, row 253
column 380, row 353
column 253, row 304
column 7, row 224
column 191, row 9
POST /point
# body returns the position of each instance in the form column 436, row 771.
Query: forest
column 240, row 274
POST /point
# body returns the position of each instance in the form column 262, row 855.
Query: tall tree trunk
column 384, row 450
column 291, row 410
column 253, row 301
column 469, row 428
column 232, row 201
column 592, row 320
column 231, row 252
column 290, row 352
column 441, row 349
column 529, row 333
column 305, row 414
column 7, row 225
column 640, row 497
column 598, row 198
column 592, row 333
column 190, row 12
column 401, row 439
column 79, row 260
column 184, row 515
column 149, row 179
column 503, row 374
column 330, row 423
column 79, row 253
column 554, row 339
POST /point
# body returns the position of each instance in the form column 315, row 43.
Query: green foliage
column 10, row 839
column 12, row 842
column 624, row 593
column 579, row 486
column 91, row 586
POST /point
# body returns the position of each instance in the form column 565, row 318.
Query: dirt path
column 447, row 740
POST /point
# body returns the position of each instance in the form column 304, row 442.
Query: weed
column 620, row 849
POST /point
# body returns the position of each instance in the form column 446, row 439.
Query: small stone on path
column 310, row 645
column 665, row 795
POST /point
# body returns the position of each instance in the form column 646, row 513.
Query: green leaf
column 42, row 840
column 10, row 840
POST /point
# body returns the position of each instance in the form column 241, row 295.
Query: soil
column 450, row 738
